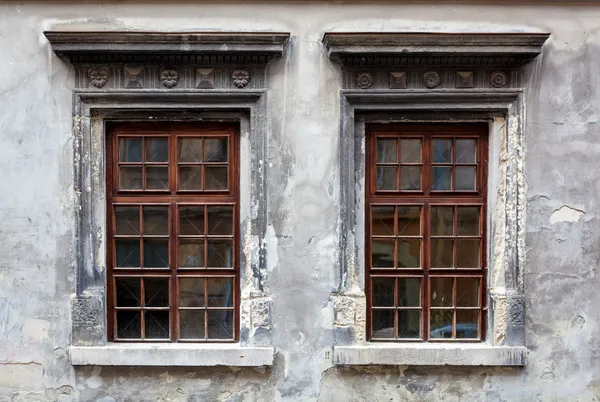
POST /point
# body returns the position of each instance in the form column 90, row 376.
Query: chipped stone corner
column 88, row 318
column 508, row 309
column 349, row 317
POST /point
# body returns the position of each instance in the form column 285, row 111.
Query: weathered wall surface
column 562, row 233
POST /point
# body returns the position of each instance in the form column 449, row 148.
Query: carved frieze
column 364, row 80
column 169, row 78
column 134, row 76
column 98, row 76
column 240, row 78
column 498, row 79
column 464, row 79
column 431, row 79
column 205, row 78
column 397, row 80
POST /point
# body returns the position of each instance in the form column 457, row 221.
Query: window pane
column 156, row 220
column 220, row 219
column 440, row 291
column 157, row 149
column 467, row 323
column 127, row 253
column 465, row 151
column 128, row 292
column 156, row 292
column 467, row 292
column 442, row 151
column 440, row 324
column 409, row 253
column 468, row 221
column 387, row 150
column 409, row 324
column 441, row 253
column 220, row 292
column 215, row 149
column 130, row 178
column 191, row 220
column 442, row 219
column 441, row 178
column 157, row 178
column 191, row 324
column 191, row 253
column 465, row 178
column 409, row 220
column 467, row 251
column 190, row 149
column 409, row 292
column 220, row 253
column 215, row 178
column 128, row 325
column 382, row 253
column 410, row 178
column 387, row 178
column 157, row 324
column 383, row 292
column 191, row 292
column 156, row 253
column 220, row 324
column 382, row 221
column 383, row 323
column 130, row 149
column 127, row 220
column 190, row 178
column 410, row 151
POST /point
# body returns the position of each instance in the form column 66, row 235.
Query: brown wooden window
column 173, row 237
column 425, row 232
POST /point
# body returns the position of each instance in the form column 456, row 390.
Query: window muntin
column 425, row 246
column 173, row 255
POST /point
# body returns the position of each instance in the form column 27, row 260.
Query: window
column 173, row 237
column 425, row 232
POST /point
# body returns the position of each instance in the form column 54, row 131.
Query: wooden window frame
column 173, row 198
column 426, row 198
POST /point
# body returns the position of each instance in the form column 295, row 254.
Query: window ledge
column 430, row 355
column 114, row 354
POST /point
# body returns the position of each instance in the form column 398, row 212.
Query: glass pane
column 382, row 253
column 127, row 253
column 130, row 149
column 216, row 178
column 156, row 220
column 387, row 150
column 467, row 292
column 157, row 324
column 191, row 324
column 382, row 221
column 191, row 220
column 220, row 253
column 128, row 325
column 410, row 178
column 191, row 253
column 215, row 149
column 409, row 324
column 190, row 149
column 156, row 253
column 468, row 221
column 442, row 178
column 440, row 291
column 156, row 292
column 409, row 253
column 157, row 149
column 190, row 178
column 128, row 292
column 441, row 253
column 130, row 178
column 465, row 151
column 410, row 151
column 387, row 178
column 409, row 220
column 157, row 178
column 383, row 292
column 442, row 151
column 440, row 324
column 220, row 324
column 409, row 292
column 467, row 323
column 383, row 323
column 220, row 220
column 442, row 219
column 465, row 178
column 220, row 292
column 127, row 220
column 191, row 292
column 467, row 253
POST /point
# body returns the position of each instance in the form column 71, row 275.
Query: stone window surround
column 104, row 96
column 367, row 59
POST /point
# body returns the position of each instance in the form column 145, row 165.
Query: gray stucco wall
column 562, row 235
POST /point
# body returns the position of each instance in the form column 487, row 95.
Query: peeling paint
column 566, row 214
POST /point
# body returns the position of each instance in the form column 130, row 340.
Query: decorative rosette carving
column 240, row 78
column 498, row 79
column 431, row 79
column 98, row 76
column 364, row 80
column 169, row 78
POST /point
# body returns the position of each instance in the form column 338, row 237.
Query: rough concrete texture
column 562, row 227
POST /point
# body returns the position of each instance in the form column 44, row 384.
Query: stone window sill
column 180, row 354
column 413, row 354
